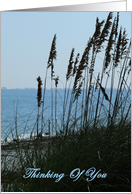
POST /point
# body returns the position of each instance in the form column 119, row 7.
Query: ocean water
column 19, row 110
column 21, row 105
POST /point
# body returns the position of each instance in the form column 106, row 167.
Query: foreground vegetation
column 91, row 134
column 85, row 150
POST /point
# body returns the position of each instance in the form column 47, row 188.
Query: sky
column 26, row 39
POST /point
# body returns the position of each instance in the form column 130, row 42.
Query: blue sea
column 19, row 109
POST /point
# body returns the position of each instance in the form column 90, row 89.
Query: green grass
column 96, row 148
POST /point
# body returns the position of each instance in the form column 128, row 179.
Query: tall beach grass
column 95, row 128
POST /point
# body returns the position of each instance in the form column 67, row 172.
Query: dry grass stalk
column 52, row 56
column 97, row 83
column 105, row 31
column 97, row 40
column 78, row 91
column 129, row 65
column 96, row 37
column 83, row 64
column 124, row 43
column 110, row 45
column 75, row 67
column 56, row 81
column 103, row 91
column 39, row 94
column 69, row 70
column 53, row 52
column 118, row 49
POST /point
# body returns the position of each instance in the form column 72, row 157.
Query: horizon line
column 5, row 88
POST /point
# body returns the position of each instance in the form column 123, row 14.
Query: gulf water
column 19, row 109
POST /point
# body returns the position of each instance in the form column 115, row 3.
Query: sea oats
column 82, row 65
column 78, row 91
column 124, row 43
column 91, row 69
column 56, row 81
column 53, row 53
column 96, row 37
column 105, row 31
column 69, row 70
column 118, row 49
column 52, row 71
column 117, row 22
column 97, row 83
column 75, row 67
column 110, row 45
column 129, row 65
column 39, row 94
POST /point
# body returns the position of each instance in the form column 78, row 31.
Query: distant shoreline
column 5, row 89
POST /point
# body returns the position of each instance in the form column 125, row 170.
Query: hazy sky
column 26, row 41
